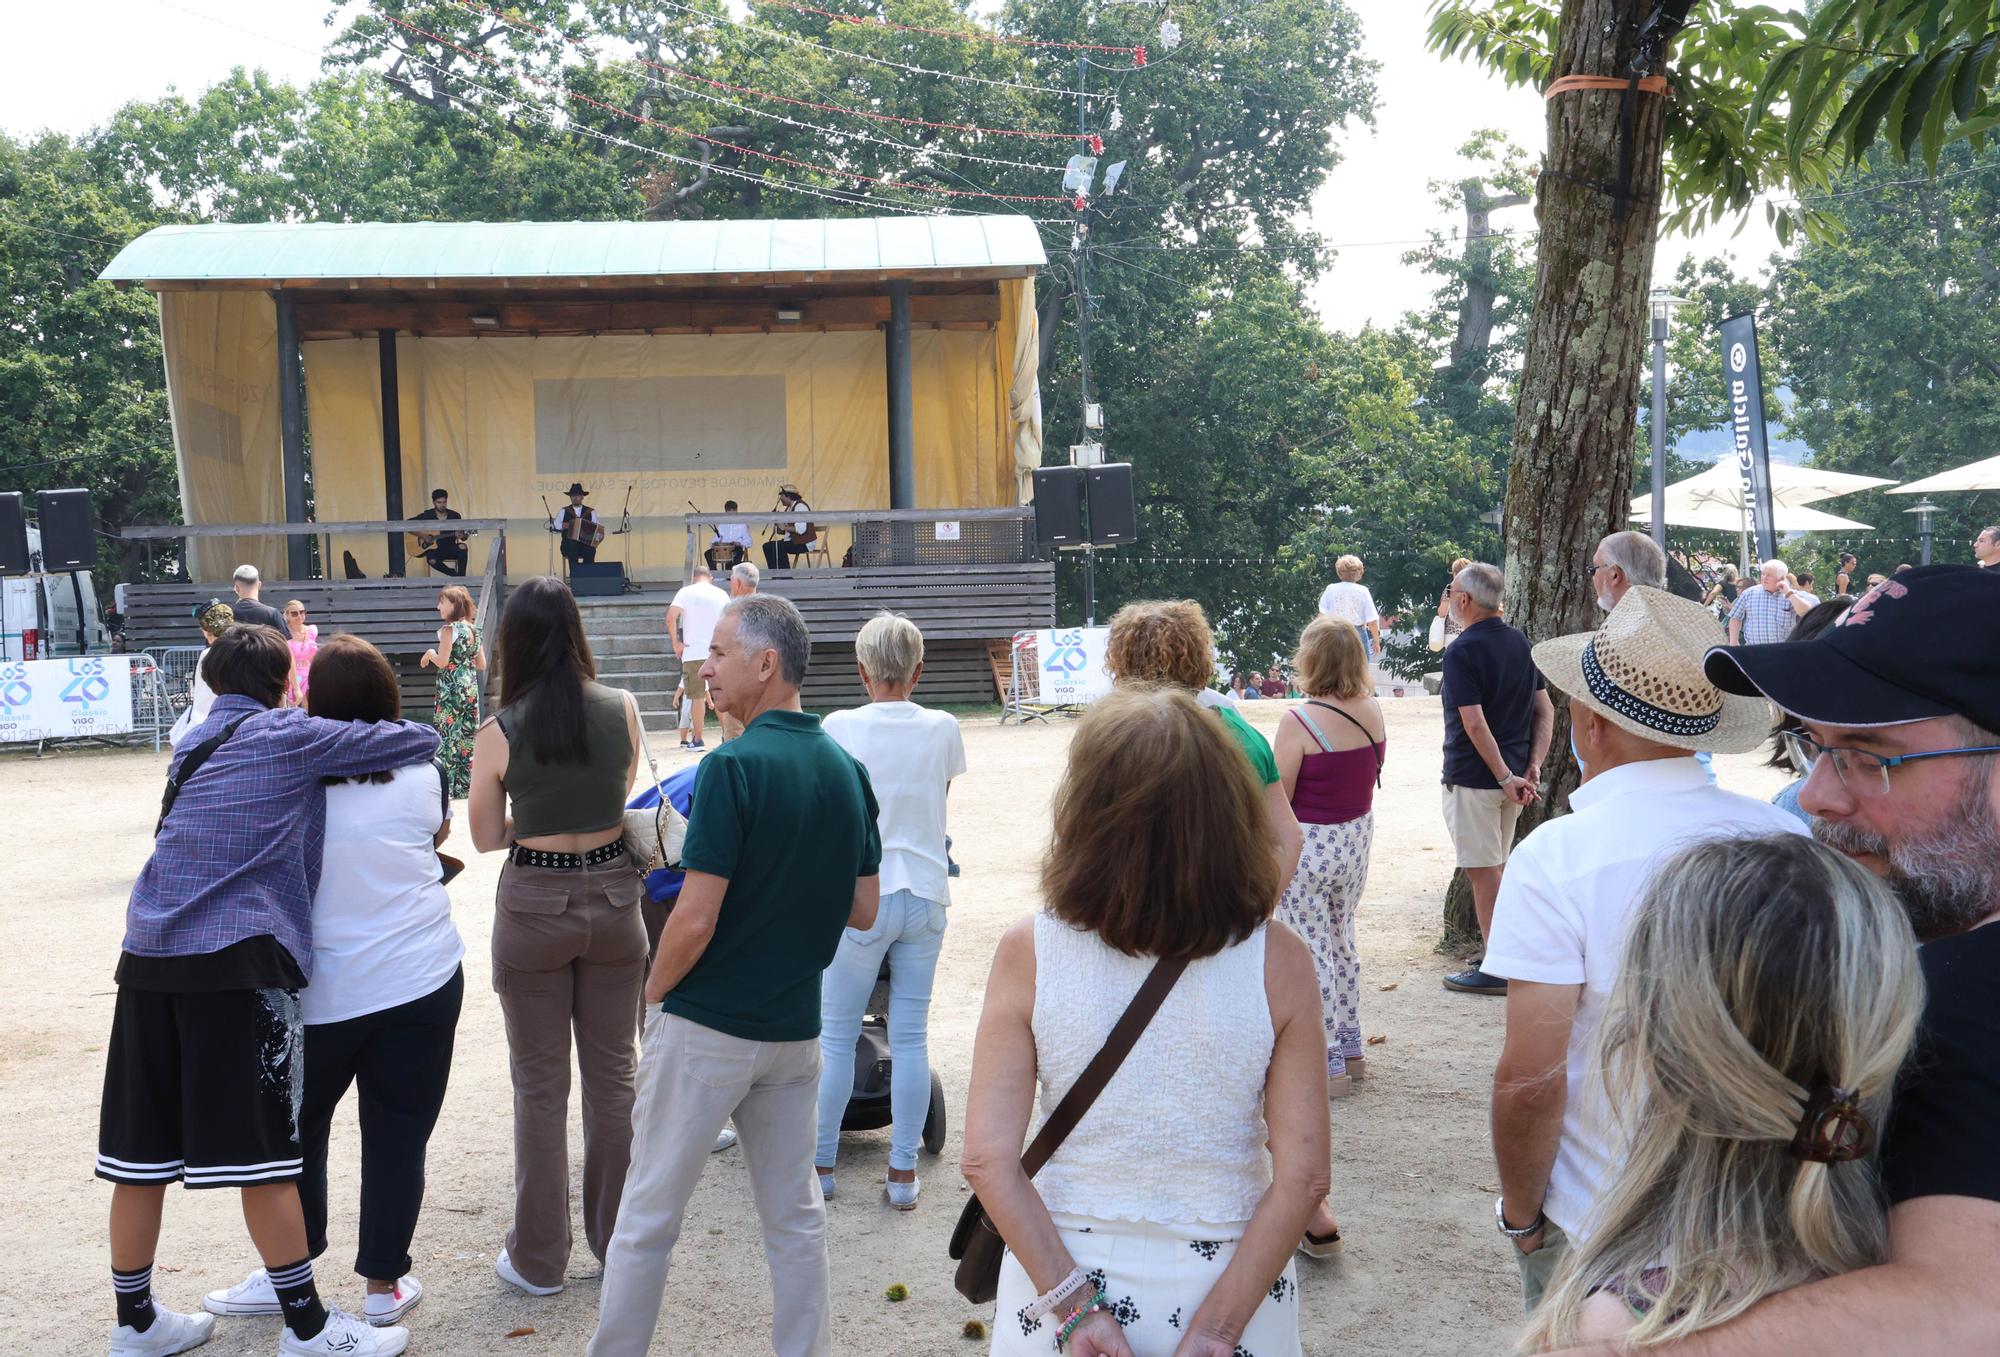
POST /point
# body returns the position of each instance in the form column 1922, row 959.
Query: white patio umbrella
column 1978, row 476
column 1724, row 518
column 1791, row 487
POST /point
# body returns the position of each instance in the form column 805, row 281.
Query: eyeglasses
column 295, row 612
column 1593, row 569
column 1863, row 773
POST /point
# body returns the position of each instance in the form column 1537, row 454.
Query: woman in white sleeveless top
column 1164, row 1225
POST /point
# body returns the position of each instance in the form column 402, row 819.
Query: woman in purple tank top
column 1330, row 749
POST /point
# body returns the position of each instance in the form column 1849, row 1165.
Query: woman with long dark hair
column 550, row 774
column 381, row 1012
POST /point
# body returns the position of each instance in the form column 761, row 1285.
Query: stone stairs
column 628, row 636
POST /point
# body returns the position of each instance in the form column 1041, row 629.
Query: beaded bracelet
column 1081, row 1313
column 1049, row 1300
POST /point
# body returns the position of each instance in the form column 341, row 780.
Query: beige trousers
column 569, row 956
column 692, row 1079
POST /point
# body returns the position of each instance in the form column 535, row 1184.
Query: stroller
column 868, row 1104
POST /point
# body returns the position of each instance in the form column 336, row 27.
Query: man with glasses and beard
column 1898, row 706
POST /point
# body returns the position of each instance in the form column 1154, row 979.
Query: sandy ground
column 1423, row 1273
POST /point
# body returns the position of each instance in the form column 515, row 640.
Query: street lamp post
column 1663, row 302
column 1924, row 510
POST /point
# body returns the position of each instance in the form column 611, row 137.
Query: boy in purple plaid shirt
column 203, row 1079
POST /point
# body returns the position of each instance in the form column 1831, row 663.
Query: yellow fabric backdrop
column 469, row 425
column 221, row 353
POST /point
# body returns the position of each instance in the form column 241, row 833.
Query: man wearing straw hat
column 1641, row 707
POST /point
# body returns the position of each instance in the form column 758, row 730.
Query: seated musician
column 795, row 538
column 727, row 534
column 580, row 528
column 445, row 550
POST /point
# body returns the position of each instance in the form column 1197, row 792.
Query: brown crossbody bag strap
column 975, row 1243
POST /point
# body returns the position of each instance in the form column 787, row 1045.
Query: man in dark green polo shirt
column 782, row 853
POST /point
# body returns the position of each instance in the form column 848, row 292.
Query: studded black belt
column 567, row 862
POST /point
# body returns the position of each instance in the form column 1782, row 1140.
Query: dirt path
column 1424, row 1272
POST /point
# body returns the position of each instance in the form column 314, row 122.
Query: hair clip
column 1832, row 1129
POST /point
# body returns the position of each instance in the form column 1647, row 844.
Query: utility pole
column 1081, row 249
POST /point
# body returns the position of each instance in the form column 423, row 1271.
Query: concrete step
column 651, row 621
column 608, row 645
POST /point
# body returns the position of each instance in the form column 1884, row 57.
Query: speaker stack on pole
column 69, row 529
column 1085, row 508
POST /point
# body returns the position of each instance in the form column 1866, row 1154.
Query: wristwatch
column 1531, row 1228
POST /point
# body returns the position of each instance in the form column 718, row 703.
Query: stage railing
column 892, row 537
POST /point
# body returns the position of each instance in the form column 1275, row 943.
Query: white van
column 56, row 605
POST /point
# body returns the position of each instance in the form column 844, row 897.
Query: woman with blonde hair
column 460, row 659
column 214, row 619
column 1169, row 643
column 1347, row 600
column 1161, row 1224
column 1451, row 627
column 303, row 641
column 1768, row 994
column 911, row 755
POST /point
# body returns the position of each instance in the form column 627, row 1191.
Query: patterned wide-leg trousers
column 1319, row 906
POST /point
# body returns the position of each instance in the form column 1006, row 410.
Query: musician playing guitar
column 581, row 530
column 797, row 537
column 444, row 550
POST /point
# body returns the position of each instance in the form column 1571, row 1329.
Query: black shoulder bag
column 975, row 1245
column 195, row 759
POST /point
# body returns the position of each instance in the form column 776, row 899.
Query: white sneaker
column 724, row 1139
column 254, row 1295
column 903, row 1196
column 345, row 1336
column 505, row 1267
column 171, row 1331
column 385, row 1308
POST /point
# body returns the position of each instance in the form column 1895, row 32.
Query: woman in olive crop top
column 551, row 771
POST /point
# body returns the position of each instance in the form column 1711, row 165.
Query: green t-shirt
column 788, row 817
column 1255, row 748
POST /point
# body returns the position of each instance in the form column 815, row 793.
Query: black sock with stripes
column 135, row 1297
column 299, row 1298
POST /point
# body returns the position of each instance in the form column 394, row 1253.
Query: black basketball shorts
column 204, row 1088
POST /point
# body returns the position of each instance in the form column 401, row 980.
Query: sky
column 1376, row 205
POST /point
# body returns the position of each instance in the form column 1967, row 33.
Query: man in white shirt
column 1640, row 705
column 730, row 534
column 691, row 620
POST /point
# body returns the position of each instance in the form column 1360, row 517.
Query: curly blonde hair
column 1161, row 642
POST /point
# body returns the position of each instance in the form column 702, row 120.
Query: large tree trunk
column 1571, row 473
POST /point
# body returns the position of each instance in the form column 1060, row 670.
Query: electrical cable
column 907, row 186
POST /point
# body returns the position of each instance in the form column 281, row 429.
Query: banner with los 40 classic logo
column 65, row 699
column 1071, row 663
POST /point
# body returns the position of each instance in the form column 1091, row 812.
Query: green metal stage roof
column 529, row 252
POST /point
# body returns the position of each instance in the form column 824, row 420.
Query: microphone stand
column 551, row 515
column 625, row 521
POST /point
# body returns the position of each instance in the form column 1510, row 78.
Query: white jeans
column 909, row 931
column 692, row 1079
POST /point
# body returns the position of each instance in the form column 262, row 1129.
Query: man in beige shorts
column 1498, row 721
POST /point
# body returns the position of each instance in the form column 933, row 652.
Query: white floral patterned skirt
column 1154, row 1278
column 1319, row 906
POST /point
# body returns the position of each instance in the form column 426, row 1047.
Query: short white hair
column 890, row 648
column 246, row 573
column 1766, row 567
column 744, row 571
column 1639, row 556
column 1483, row 585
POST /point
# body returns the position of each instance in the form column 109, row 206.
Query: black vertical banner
column 1743, row 379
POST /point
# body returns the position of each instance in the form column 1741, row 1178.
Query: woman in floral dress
column 460, row 660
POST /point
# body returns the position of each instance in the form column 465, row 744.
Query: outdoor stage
column 324, row 379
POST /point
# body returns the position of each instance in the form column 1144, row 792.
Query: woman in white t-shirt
column 215, row 619
column 382, row 1009
column 911, row 756
column 1348, row 600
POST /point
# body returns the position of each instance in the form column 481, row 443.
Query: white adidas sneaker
column 254, row 1295
column 389, row 1307
column 346, row 1336
column 170, row 1332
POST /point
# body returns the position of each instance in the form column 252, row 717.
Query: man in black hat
column 1898, row 714
column 581, row 531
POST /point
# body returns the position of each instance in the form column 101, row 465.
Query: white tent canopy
column 1978, row 476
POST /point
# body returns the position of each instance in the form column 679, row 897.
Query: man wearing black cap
column 1898, row 706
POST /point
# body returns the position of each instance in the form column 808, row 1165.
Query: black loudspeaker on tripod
column 1058, row 506
column 69, row 529
column 1114, row 509
column 13, row 535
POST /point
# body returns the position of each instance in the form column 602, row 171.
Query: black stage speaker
column 1058, row 506
column 597, row 579
column 68, row 529
column 1114, row 512
column 13, row 535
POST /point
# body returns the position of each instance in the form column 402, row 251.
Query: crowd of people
column 1735, row 1108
